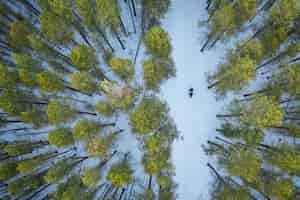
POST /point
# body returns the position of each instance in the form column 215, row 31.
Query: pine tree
column 60, row 137
column 158, row 43
column 83, row 57
column 120, row 174
column 148, row 116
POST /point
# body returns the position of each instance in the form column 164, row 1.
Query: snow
column 196, row 117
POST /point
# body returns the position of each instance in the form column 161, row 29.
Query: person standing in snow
column 191, row 92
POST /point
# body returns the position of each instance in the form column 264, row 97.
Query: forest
column 81, row 111
column 77, row 121
column 257, row 150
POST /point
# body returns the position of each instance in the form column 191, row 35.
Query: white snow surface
column 196, row 117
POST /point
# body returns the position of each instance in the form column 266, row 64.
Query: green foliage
column 59, row 113
column 8, row 170
column 154, row 144
column 27, row 78
column 60, row 137
column 155, row 72
column 223, row 22
column 49, row 81
column 252, row 49
column 282, row 17
column 249, row 136
column 18, row 148
column 291, row 78
column 62, row 9
column 24, row 185
column 83, row 81
column 18, row 34
column 91, row 177
column 158, row 43
column 26, row 61
column 148, row 116
column 147, row 194
column 57, row 172
column 164, row 181
column 54, row 28
column 119, row 96
column 11, row 102
column 225, row 79
column 87, row 11
column 107, row 14
column 227, row 192
column 276, row 187
column 120, row 174
column 7, row 78
column 243, row 163
column 75, row 190
column 85, row 128
column 286, row 158
column 244, row 10
column 37, row 44
column 83, row 57
column 104, row 108
column 155, row 9
column 154, row 164
column 100, row 146
column 261, row 113
column 122, row 67
column 28, row 165
column 34, row 117
column 61, row 188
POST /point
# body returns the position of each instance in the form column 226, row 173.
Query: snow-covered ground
column 194, row 117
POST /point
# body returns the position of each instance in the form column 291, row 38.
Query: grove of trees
column 69, row 94
column 257, row 150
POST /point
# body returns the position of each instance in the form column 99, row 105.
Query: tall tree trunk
column 150, row 182
column 115, row 193
column 82, row 33
column 122, row 193
column 205, row 44
column 32, row 133
column 292, row 118
column 279, row 56
column 123, row 28
column 138, row 49
column 105, row 161
column 295, row 60
column 133, row 7
column 75, row 90
column 44, row 187
column 130, row 192
column 14, row 129
column 208, row 3
column 33, row 102
column 108, row 124
column 120, row 41
column 105, row 38
column 10, row 121
column 268, row 5
column 214, row 42
column 108, row 191
column 257, row 92
column 87, row 113
column 131, row 16
column 218, row 146
column 30, row 6
column 216, row 173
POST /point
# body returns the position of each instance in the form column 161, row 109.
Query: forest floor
column 196, row 117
